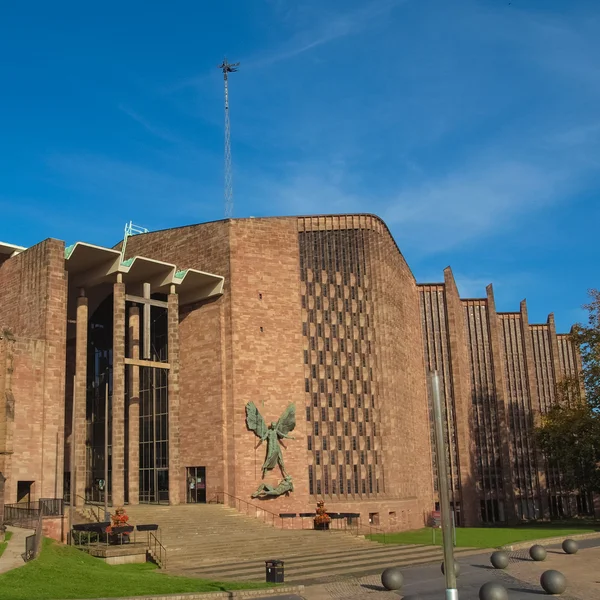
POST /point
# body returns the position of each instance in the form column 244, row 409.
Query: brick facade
column 32, row 370
column 502, row 378
column 321, row 312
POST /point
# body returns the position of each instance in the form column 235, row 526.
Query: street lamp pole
column 106, row 450
column 440, row 449
column 72, row 495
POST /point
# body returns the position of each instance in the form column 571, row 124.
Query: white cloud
column 328, row 28
column 154, row 130
column 474, row 200
column 479, row 198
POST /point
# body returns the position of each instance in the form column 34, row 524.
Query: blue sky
column 472, row 128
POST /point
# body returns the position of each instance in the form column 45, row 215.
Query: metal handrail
column 255, row 506
column 30, row 511
column 372, row 529
column 157, row 550
column 95, row 508
column 33, row 542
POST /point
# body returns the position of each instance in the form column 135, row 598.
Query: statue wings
column 287, row 421
column 255, row 422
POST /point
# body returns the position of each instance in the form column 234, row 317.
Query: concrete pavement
column 12, row 556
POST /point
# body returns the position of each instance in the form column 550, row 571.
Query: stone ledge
column 550, row 541
column 233, row 595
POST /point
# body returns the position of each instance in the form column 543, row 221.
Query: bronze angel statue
column 272, row 435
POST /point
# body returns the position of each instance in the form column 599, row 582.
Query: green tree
column 587, row 337
column 569, row 435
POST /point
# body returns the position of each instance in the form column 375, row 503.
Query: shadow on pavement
column 374, row 588
column 527, row 591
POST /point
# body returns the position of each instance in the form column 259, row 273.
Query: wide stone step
column 217, row 542
column 318, row 569
column 258, row 543
column 316, row 540
column 300, row 558
column 224, row 554
column 216, row 554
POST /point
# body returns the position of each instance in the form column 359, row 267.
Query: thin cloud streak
column 327, row 31
column 484, row 196
column 158, row 132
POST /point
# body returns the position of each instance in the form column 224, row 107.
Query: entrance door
column 24, row 491
column 196, row 485
column 162, row 483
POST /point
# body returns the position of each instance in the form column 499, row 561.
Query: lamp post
column 72, row 496
column 2, row 527
column 440, row 449
column 106, row 517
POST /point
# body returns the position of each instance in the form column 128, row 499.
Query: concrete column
column 558, row 373
column 134, row 407
column 2, row 502
column 463, row 403
column 542, row 484
column 579, row 365
column 79, row 436
column 7, row 416
column 502, row 404
column 176, row 475
column 118, row 395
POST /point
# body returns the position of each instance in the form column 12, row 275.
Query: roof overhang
column 197, row 285
column 139, row 270
column 89, row 265
column 10, row 249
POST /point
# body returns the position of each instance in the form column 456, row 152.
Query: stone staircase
column 215, row 542
column 88, row 514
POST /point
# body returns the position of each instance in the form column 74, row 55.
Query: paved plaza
column 521, row 579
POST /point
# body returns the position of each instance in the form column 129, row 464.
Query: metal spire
column 228, row 68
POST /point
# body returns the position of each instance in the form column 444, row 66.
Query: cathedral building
column 165, row 370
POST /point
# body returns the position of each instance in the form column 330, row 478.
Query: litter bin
column 274, row 570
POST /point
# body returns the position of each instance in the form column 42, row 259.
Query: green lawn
column 62, row 572
column 3, row 545
column 486, row 537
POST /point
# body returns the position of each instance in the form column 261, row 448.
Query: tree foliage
column 569, row 435
column 587, row 337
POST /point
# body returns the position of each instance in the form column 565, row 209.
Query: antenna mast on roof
column 228, row 68
column 130, row 229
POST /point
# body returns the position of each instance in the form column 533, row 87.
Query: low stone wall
column 55, row 528
column 119, row 555
column 550, row 541
column 235, row 595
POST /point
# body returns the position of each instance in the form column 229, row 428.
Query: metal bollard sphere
column 553, row 582
column 570, row 546
column 537, row 552
column 456, row 569
column 499, row 559
column 392, row 578
column 492, row 590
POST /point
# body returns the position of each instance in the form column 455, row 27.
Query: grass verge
column 3, row 545
column 62, row 572
column 484, row 537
